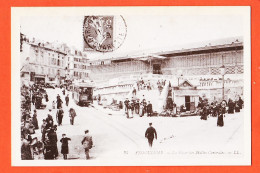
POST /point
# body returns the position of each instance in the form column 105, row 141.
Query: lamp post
column 222, row 71
column 179, row 76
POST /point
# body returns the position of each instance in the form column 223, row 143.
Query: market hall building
column 199, row 67
column 191, row 62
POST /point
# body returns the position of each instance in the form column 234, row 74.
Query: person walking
column 59, row 103
column 59, row 116
column 72, row 115
column 67, row 100
column 65, row 146
column 52, row 136
column 150, row 134
column 87, row 143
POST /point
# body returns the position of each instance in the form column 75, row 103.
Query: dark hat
column 150, row 123
column 86, row 131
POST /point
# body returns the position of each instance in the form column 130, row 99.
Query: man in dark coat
column 149, row 109
column 127, row 107
column 65, row 146
column 240, row 103
column 63, row 91
column 49, row 121
column 137, row 107
column 231, row 106
column 67, row 100
column 59, row 103
column 59, row 116
column 52, row 136
column 150, row 134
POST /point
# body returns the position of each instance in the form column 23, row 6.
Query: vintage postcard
column 131, row 86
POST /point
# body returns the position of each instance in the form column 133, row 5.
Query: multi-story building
column 76, row 65
column 45, row 61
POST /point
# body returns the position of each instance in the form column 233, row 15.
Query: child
column 64, row 146
column 53, row 104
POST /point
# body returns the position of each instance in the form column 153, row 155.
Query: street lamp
column 222, row 71
column 179, row 73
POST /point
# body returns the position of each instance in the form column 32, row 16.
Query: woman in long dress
column 221, row 114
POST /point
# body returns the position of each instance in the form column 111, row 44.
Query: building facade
column 51, row 62
column 202, row 61
column 76, row 62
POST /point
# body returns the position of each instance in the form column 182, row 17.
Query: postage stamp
column 104, row 33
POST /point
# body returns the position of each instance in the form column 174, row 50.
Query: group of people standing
column 49, row 140
column 218, row 110
column 139, row 108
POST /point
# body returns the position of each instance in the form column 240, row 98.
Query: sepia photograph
column 131, row 86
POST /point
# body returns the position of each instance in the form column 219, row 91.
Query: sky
column 145, row 33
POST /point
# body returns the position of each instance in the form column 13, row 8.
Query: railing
column 219, row 84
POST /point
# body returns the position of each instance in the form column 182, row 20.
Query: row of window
column 80, row 66
column 41, row 53
column 80, row 74
column 121, row 67
column 48, row 71
column 205, row 60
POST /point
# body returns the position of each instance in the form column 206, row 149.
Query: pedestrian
column 59, row 116
column 65, row 146
column 59, row 103
column 132, row 107
column 204, row 113
column 67, row 100
column 47, row 151
column 52, row 136
column 63, row 91
column 221, row 114
column 72, row 114
column 150, row 134
column 149, row 109
column 53, row 104
column 231, row 106
column 144, row 109
column 34, row 120
column 237, row 108
column 33, row 98
column 127, row 107
column 240, row 102
column 46, row 97
column 44, row 123
column 87, row 143
column 134, row 92
column 26, row 152
column 137, row 107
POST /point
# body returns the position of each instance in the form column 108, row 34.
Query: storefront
column 39, row 79
column 187, row 95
